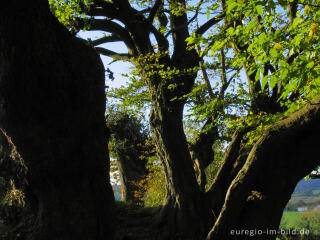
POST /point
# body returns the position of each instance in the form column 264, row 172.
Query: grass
column 289, row 219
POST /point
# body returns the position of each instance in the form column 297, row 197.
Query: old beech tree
column 276, row 50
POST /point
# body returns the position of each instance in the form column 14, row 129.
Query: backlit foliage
column 265, row 37
column 266, row 43
column 66, row 11
column 152, row 189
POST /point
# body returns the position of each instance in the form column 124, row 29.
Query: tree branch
column 154, row 10
column 293, row 7
column 223, row 68
column 103, row 40
column 163, row 43
column 196, row 13
column 124, row 6
column 107, row 26
column 227, row 83
column 179, row 29
column 201, row 30
column 114, row 28
column 104, row 8
column 205, row 75
column 95, row 12
column 112, row 54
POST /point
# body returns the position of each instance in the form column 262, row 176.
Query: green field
column 289, row 219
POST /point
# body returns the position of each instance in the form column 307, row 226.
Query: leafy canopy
column 261, row 57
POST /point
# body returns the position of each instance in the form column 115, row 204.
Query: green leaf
column 273, row 81
column 208, row 13
column 232, row 6
column 284, row 73
column 283, row 63
column 259, row 9
column 297, row 39
column 257, row 77
column 262, row 38
column 264, row 82
column 296, row 22
column 273, row 52
column 310, row 64
column 231, row 31
column 251, row 70
column 251, row 25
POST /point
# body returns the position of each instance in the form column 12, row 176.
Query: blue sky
column 119, row 67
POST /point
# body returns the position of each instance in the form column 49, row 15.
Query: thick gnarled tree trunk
column 184, row 211
column 184, row 206
column 284, row 154
column 52, row 106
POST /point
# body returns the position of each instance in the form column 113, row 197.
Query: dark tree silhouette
column 52, row 128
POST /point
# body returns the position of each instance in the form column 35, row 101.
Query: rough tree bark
column 257, row 196
column 234, row 159
column 52, row 106
column 184, row 199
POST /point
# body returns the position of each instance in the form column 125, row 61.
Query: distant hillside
column 307, row 185
column 303, row 186
column 116, row 191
